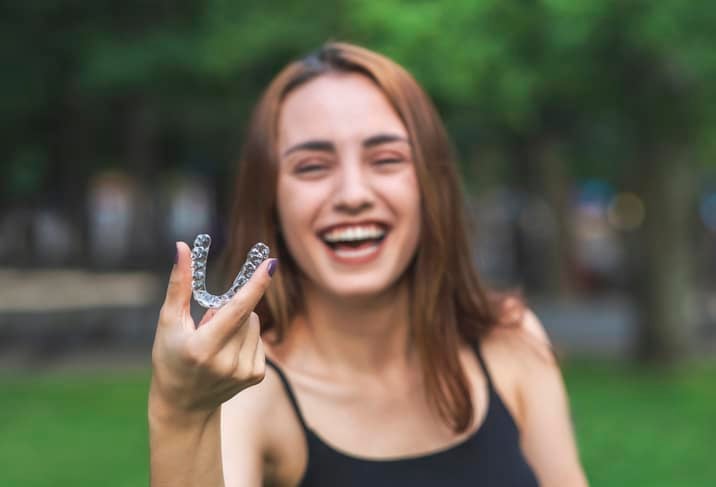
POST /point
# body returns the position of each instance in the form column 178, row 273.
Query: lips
column 354, row 242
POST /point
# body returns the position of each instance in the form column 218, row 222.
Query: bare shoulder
column 523, row 359
column 517, row 352
column 523, row 348
column 524, row 338
column 259, row 433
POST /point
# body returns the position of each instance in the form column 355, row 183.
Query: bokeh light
column 626, row 212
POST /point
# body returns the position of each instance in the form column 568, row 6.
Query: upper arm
column 242, row 438
column 546, row 431
column 262, row 441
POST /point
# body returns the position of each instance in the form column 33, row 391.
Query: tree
column 627, row 82
column 556, row 87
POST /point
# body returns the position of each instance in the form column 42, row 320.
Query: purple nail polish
column 272, row 266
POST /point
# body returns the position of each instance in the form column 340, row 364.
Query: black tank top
column 489, row 457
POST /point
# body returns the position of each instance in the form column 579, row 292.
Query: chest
column 389, row 421
column 375, row 419
column 395, row 437
column 377, row 426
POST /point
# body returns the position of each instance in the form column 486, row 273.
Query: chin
column 363, row 287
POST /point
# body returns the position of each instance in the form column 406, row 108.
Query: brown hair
column 448, row 302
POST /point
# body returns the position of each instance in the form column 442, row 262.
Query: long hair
column 449, row 305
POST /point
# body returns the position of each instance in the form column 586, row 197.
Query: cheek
column 403, row 194
column 297, row 204
column 412, row 194
column 288, row 214
column 408, row 192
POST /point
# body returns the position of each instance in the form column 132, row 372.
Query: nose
column 353, row 193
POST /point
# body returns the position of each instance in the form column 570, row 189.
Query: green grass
column 635, row 427
column 644, row 427
column 74, row 430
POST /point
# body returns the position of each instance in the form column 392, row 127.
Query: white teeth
column 349, row 234
column 346, row 253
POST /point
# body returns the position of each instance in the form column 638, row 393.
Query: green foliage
column 603, row 76
column 644, row 69
column 23, row 174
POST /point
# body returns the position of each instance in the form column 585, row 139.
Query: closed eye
column 309, row 168
column 388, row 161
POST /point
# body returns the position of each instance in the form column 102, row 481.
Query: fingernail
column 272, row 266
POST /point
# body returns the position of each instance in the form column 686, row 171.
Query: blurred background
column 587, row 140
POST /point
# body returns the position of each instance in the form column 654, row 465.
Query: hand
column 196, row 369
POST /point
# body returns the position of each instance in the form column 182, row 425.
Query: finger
column 251, row 361
column 237, row 311
column 179, row 288
column 260, row 359
column 208, row 315
column 238, row 353
column 247, row 351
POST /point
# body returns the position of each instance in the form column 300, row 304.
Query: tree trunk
column 664, row 281
column 70, row 152
column 143, row 164
column 546, row 222
column 554, row 180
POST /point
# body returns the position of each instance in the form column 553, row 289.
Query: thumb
column 179, row 289
column 235, row 313
column 249, row 296
column 254, row 290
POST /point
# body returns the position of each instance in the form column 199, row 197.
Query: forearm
column 185, row 449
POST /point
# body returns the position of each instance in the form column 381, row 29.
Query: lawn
column 643, row 427
column 635, row 427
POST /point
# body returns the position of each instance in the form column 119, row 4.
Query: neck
column 367, row 334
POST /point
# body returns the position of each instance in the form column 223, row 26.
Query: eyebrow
column 383, row 139
column 314, row 145
column 327, row 146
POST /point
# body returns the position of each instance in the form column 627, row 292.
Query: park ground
column 634, row 426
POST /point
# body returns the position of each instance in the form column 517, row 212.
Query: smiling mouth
column 354, row 242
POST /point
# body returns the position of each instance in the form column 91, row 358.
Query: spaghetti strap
column 485, row 370
column 289, row 391
column 460, row 465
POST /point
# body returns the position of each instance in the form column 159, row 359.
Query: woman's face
column 348, row 198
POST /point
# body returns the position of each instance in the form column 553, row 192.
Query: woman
column 389, row 363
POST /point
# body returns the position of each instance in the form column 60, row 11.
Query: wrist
column 162, row 413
